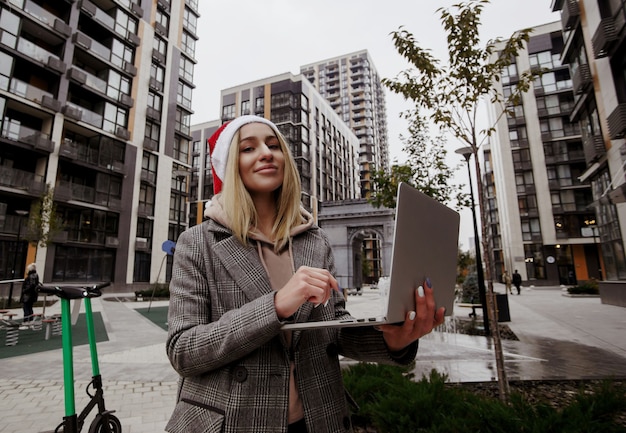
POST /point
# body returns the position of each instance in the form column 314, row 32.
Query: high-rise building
column 352, row 86
column 96, row 104
column 324, row 147
column 557, row 157
column 595, row 50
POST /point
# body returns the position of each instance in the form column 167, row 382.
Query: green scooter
column 105, row 421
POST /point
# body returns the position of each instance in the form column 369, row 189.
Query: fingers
column 417, row 323
column 307, row 284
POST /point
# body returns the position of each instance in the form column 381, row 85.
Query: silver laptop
column 425, row 244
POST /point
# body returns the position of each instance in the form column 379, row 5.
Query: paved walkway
column 560, row 337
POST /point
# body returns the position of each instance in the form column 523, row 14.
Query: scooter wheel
column 100, row 426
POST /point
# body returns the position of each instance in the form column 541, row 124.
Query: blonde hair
column 239, row 207
column 31, row 267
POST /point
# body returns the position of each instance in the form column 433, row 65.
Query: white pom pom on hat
column 219, row 145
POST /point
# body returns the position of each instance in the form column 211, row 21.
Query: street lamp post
column 482, row 293
column 21, row 214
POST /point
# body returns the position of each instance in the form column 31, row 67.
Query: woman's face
column 261, row 159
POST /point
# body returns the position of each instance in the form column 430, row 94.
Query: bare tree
column 452, row 93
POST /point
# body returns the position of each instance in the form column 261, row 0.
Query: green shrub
column 391, row 401
column 589, row 287
column 470, row 289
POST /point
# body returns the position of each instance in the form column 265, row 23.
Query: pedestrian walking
column 506, row 279
column 517, row 281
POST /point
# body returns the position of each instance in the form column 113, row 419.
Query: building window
column 149, row 166
column 190, row 21
column 535, row 264
column 259, row 105
column 155, row 101
column 143, row 262
column 121, row 53
column 114, row 117
column 159, row 45
column 182, row 122
column 228, row 112
column 186, row 68
column 545, row 59
column 146, row 199
column 183, row 97
column 157, row 73
column 83, row 264
column 245, row 107
column 152, row 133
column 162, row 18
column 188, row 45
column 181, row 149
column 124, row 23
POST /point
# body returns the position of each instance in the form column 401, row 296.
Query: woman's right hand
column 307, row 284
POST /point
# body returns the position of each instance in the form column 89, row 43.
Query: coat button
column 332, row 350
column 240, row 374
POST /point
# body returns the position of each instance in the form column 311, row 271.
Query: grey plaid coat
column 226, row 343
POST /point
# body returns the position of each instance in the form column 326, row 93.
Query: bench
column 472, row 306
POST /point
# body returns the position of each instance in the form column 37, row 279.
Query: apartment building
column 96, row 104
column 324, row 147
column 595, row 50
column 554, row 163
column 352, row 86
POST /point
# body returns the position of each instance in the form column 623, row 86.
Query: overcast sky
column 247, row 40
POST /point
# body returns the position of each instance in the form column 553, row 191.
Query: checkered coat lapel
column 247, row 271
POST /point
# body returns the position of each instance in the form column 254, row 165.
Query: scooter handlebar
column 74, row 292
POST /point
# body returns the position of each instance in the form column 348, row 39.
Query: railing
column 13, row 130
column 20, row 179
column 28, row 91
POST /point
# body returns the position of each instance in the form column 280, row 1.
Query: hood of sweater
column 215, row 211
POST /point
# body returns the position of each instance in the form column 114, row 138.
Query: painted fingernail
column 412, row 315
column 420, row 291
column 428, row 283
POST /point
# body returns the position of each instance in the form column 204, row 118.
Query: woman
column 29, row 293
column 256, row 263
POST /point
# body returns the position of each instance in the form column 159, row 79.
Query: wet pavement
column 560, row 337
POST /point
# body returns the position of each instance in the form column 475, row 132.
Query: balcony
column 97, row 49
column 24, row 180
column 604, row 37
column 569, row 14
column 581, row 79
column 617, row 122
column 42, row 16
column 108, row 21
column 38, row 54
column 14, row 131
column 66, row 191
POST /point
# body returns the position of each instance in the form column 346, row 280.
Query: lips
column 267, row 167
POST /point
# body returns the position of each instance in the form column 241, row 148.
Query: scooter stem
column 68, row 358
column 91, row 334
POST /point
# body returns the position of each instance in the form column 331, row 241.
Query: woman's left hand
column 417, row 323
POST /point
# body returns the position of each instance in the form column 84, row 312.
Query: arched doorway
column 367, row 255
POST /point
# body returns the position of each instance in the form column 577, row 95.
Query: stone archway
column 351, row 223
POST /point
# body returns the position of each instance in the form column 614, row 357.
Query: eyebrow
column 254, row 137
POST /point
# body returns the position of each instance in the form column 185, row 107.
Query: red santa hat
column 220, row 141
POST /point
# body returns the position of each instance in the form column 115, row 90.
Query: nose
column 266, row 152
